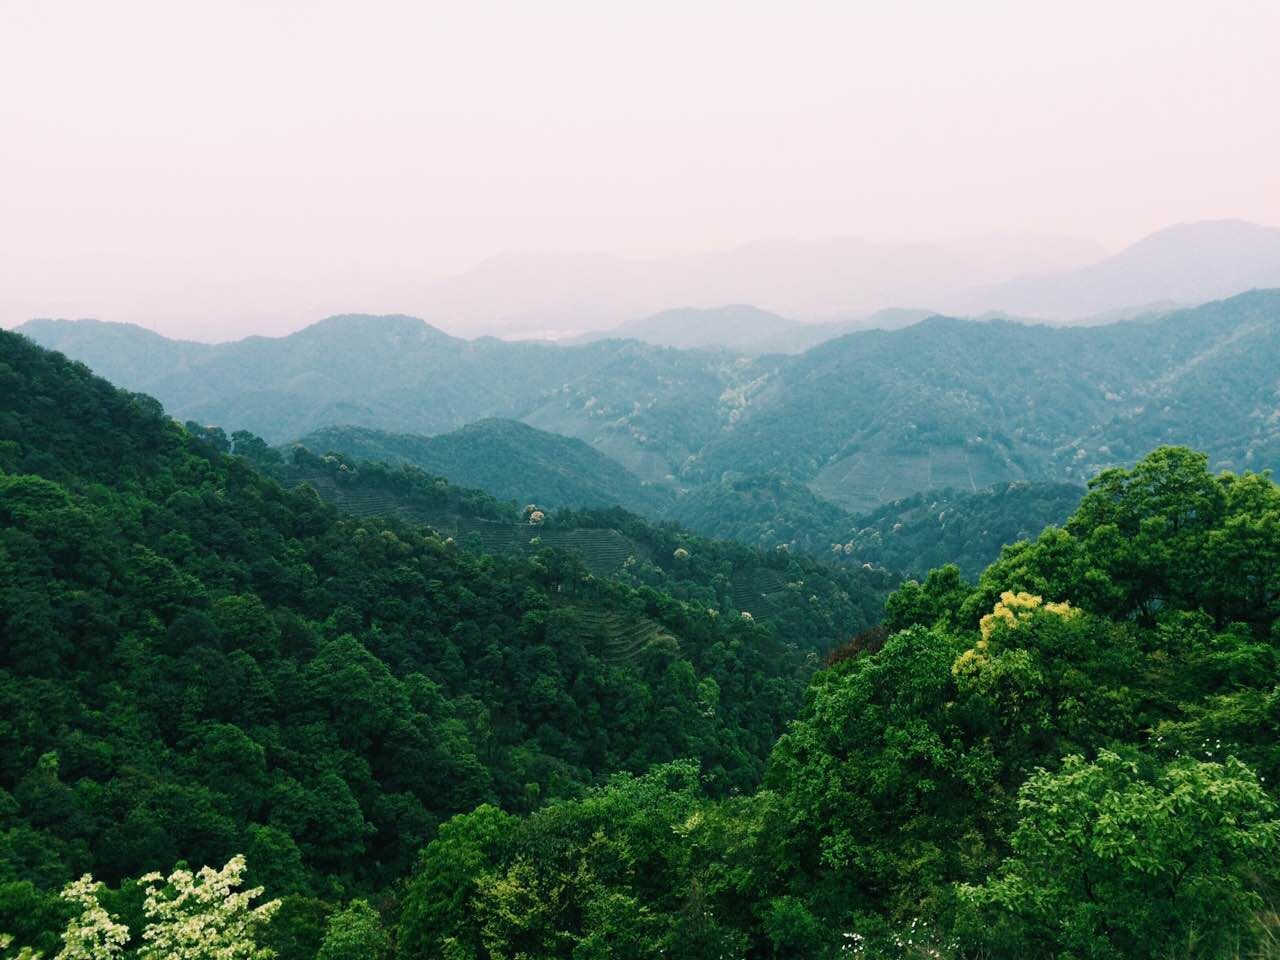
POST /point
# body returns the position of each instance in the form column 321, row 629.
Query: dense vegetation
column 911, row 535
column 932, row 529
column 811, row 604
column 1075, row 758
column 199, row 661
column 426, row 751
column 506, row 458
column 363, row 472
column 864, row 419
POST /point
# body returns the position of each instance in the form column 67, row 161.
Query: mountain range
column 833, row 279
column 745, row 329
column 845, row 280
column 863, row 419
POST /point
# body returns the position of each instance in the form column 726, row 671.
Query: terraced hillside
column 367, row 500
column 617, row 637
column 811, row 603
column 761, row 591
column 602, row 551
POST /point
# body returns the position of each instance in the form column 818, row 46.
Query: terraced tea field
column 603, row 551
column 616, row 637
column 867, row 479
column 367, row 501
column 759, row 591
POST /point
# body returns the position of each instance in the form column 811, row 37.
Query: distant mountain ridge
column 745, row 329
column 805, row 280
column 863, row 419
column 737, row 327
column 822, row 281
column 1187, row 263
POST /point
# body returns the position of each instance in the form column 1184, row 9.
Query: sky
column 216, row 169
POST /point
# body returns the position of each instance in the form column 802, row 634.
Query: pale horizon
column 254, row 169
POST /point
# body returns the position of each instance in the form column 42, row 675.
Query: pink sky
column 217, row 169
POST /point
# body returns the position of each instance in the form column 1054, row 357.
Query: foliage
column 92, row 933
column 1074, row 759
column 1123, row 857
column 355, row 933
column 198, row 661
column 200, row 916
column 509, row 459
column 203, row 916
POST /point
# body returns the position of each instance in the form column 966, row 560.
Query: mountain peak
column 373, row 324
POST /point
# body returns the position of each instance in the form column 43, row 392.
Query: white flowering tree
column 92, row 933
column 190, row 916
column 204, row 916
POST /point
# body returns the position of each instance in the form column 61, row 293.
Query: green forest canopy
column 1075, row 757
column 199, row 662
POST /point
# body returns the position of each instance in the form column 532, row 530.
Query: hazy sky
column 215, row 168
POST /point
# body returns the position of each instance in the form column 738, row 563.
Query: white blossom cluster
column 190, row 916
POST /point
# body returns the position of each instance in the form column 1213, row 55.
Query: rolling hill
column 508, row 459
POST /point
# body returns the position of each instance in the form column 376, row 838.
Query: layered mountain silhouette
column 863, row 419
column 1188, row 264
column 848, row 279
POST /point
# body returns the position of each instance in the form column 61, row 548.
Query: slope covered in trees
column 506, row 458
column 863, row 419
column 911, row 535
column 199, row 662
column 928, row 530
column 1075, row 757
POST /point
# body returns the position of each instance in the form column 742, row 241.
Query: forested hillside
column 928, row 530
column 509, row 459
column 1075, row 758
column 200, row 662
column 869, row 418
column 770, row 513
column 591, row 737
column 911, row 535
column 863, row 419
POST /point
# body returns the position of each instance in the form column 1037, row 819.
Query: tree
column 355, row 933
column 203, row 916
column 1126, row 858
column 441, row 894
column 92, row 933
